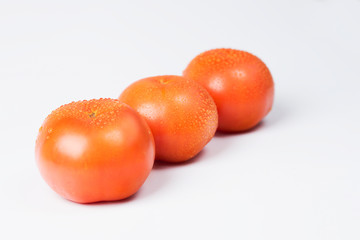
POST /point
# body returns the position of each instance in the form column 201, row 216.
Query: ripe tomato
column 181, row 114
column 97, row 150
column 240, row 84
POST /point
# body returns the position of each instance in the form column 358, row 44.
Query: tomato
column 96, row 150
column 240, row 84
column 181, row 114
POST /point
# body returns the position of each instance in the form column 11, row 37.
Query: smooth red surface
column 97, row 150
column 180, row 112
column 240, row 84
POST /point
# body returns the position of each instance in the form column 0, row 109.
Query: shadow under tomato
column 282, row 109
column 222, row 134
column 159, row 165
column 158, row 178
column 115, row 202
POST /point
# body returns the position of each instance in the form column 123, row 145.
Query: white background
column 296, row 176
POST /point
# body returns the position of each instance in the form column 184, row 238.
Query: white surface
column 294, row 177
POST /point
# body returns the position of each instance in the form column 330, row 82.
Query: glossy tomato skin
column 240, row 84
column 97, row 150
column 181, row 114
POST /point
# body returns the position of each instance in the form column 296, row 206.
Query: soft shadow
column 222, row 134
column 122, row 201
column 159, row 165
column 282, row 109
column 159, row 179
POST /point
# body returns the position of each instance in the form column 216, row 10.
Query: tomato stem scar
column 92, row 114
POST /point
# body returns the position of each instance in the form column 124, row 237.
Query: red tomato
column 97, row 150
column 240, row 84
column 181, row 114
